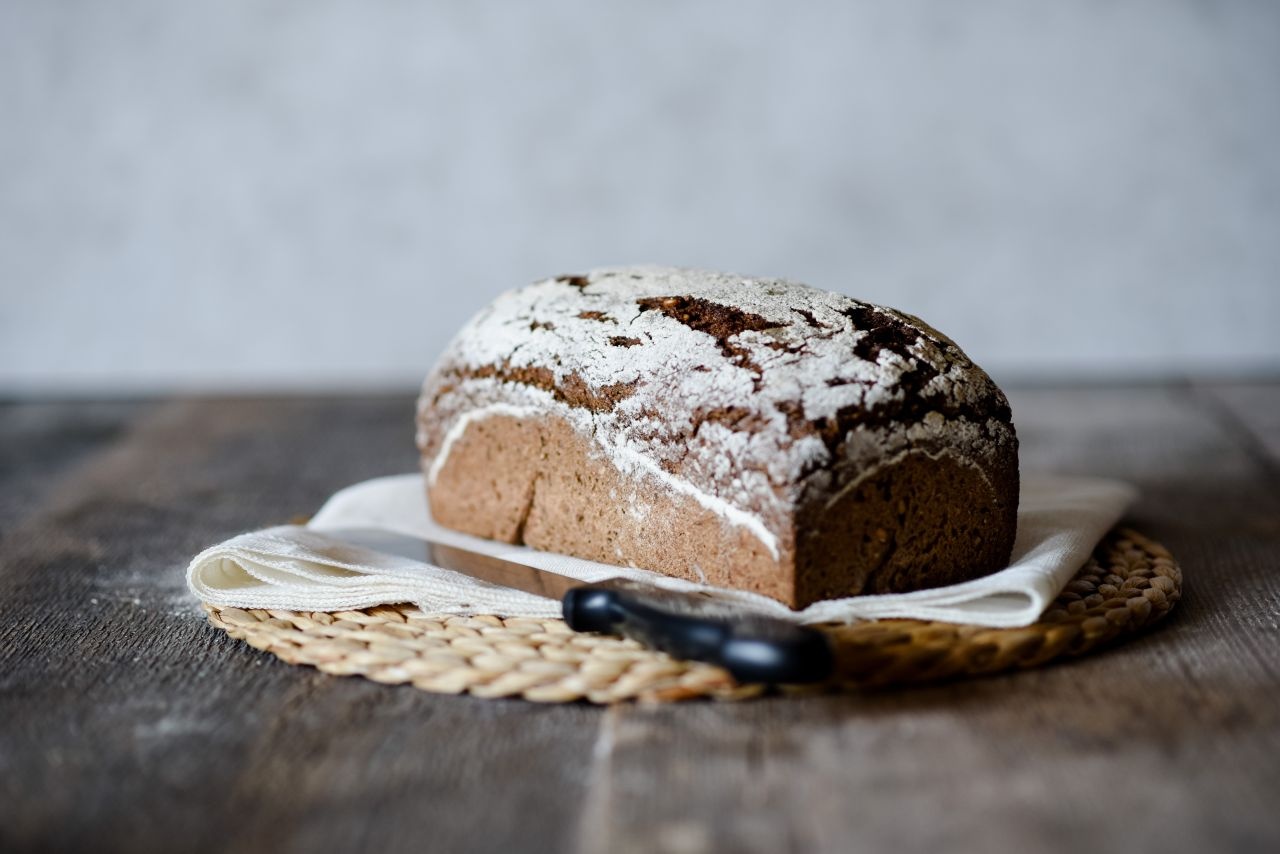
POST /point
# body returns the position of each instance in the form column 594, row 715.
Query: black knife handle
column 752, row 648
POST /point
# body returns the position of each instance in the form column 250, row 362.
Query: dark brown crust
column 944, row 511
column 571, row 390
column 911, row 408
column 886, row 331
column 537, row 482
column 918, row 522
column 721, row 322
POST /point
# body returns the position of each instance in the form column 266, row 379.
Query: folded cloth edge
column 1061, row 519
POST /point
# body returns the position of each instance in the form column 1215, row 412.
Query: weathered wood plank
column 40, row 440
column 130, row 724
column 126, row 723
column 1255, row 407
column 1168, row 743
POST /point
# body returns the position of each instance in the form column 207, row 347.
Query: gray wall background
column 315, row 194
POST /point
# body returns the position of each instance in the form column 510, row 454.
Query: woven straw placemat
column 1128, row 584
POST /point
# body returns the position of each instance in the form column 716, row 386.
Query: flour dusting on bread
column 744, row 393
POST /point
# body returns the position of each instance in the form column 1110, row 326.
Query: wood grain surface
column 127, row 723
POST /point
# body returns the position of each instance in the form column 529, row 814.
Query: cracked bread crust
column 756, row 433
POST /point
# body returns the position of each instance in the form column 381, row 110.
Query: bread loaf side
column 752, row 433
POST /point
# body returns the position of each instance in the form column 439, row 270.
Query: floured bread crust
column 750, row 432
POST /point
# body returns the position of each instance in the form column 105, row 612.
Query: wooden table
column 128, row 723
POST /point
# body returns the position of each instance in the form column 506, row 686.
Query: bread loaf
column 743, row 432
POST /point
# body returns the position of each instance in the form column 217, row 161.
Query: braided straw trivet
column 1128, row 584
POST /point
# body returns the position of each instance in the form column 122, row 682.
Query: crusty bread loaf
column 751, row 433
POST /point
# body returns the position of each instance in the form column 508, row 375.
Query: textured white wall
column 315, row 194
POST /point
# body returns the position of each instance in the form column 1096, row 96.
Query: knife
column 753, row 648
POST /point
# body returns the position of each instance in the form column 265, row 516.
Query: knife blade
column 753, row 648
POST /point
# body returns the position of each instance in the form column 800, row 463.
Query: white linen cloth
column 297, row 568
